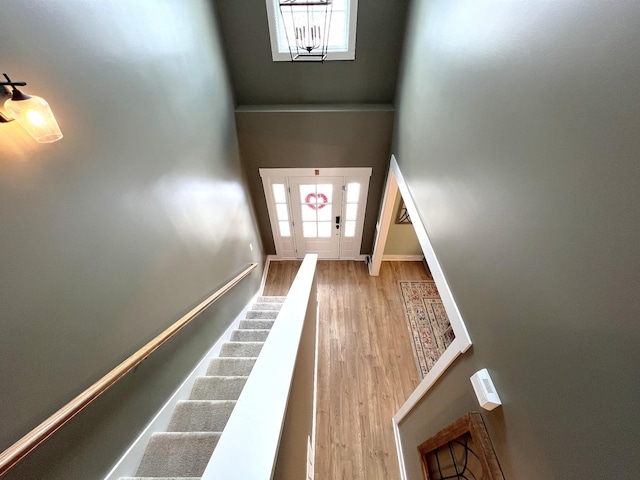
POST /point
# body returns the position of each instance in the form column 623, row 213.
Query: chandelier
column 306, row 26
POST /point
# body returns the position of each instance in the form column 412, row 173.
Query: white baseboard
column 402, row 258
column 265, row 271
column 357, row 258
column 128, row 463
column 396, row 434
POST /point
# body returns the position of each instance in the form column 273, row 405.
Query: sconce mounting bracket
column 6, row 93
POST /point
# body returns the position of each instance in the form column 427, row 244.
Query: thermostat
column 485, row 391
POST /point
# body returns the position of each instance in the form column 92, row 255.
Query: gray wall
column 258, row 80
column 114, row 232
column 320, row 137
column 518, row 133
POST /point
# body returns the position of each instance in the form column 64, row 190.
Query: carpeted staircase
column 183, row 451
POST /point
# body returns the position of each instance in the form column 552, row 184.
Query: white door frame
column 462, row 342
column 361, row 175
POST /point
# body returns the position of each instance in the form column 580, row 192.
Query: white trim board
column 265, row 271
column 358, row 258
column 402, row 258
column 398, row 439
column 447, row 358
column 316, row 108
column 462, row 342
column 316, row 172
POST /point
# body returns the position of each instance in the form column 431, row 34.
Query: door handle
column 337, row 223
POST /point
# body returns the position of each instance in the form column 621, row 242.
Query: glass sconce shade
column 35, row 116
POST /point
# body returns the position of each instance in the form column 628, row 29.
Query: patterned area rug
column 429, row 326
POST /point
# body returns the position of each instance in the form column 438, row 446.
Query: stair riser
column 234, row 367
column 241, row 349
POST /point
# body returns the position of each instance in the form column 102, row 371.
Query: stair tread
column 266, row 306
column 241, row 349
column 201, row 415
column 217, row 388
column 261, row 314
column 249, row 335
column 244, row 342
column 159, row 478
column 171, row 454
column 230, row 366
column 253, row 324
column 269, row 299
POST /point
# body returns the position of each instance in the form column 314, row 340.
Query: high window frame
column 280, row 49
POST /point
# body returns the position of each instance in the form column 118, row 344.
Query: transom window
column 342, row 32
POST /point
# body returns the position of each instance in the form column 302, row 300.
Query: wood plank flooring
column 366, row 366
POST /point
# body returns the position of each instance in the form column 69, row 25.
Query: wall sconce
column 31, row 112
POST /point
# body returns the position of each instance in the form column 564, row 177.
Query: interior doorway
column 316, row 210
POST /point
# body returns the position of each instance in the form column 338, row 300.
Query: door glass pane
column 284, row 229
column 309, row 230
column 308, row 194
column 352, row 211
column 325, row 193
column 324, row 214
column 279, row 193
column 353, row 192
column 281, row 212
column 308, row 213
column 349, row 228
column 317, row 220
column 324, row 229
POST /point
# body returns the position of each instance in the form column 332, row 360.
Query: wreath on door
column 316, row 205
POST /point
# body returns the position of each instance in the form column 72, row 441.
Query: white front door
column 316, row 208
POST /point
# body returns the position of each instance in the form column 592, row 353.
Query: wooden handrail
column 19, row 450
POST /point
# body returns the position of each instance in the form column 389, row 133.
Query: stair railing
column 19, row 450
column 271, row 432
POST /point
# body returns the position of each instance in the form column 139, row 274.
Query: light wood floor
column 366, row 367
